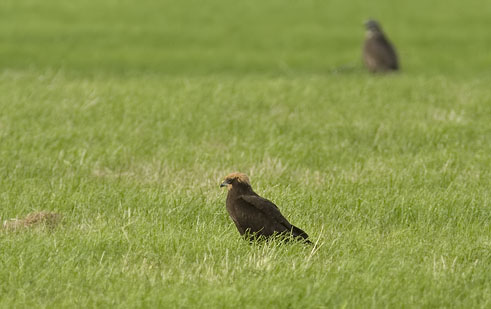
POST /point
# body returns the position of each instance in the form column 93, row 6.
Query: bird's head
column 372, row 26
column 235, row 180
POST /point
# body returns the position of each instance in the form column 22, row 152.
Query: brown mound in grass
column 42, row 219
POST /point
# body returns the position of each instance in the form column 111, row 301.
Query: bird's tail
column 297, row 232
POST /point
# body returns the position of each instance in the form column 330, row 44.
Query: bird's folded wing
column 267, row 207
column 385, row 51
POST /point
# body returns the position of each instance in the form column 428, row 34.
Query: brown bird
column 253, row 215
column 378, row 53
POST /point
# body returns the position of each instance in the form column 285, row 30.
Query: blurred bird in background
column 378, row 53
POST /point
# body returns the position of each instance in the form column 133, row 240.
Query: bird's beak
column 224, row 184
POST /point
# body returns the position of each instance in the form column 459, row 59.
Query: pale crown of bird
column 230, row 178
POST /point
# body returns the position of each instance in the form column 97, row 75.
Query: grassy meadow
column 123, row 117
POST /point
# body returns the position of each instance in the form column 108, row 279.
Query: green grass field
column 124, row 116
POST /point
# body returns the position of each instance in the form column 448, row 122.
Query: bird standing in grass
column 378, row 53
column 253, row 215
